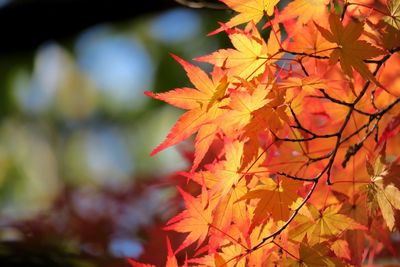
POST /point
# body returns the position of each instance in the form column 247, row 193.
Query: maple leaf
column 204, row 138
column 228, row 210
column 250, row 10
column 230, row 251
column 229, row 256
column 394, row 18
column 313, row 256
column 308, row 84
column 227, row 171
column 275, row 199
column 171, row 259
column 202, row 104
column 391, row 130
column 253, row 108
column 324, row 225
column 241, row 107
column 262, row 119
column 385, row 180
column 265, row 255
column 309, row 40
column 226, row 256
column 350, row 51
column 250, row 56
column 388, row 198
column 305, row 10
column 341, row 249
column 195, row 220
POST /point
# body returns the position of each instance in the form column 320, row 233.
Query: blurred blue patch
column 108, row 157
column 36, row 92
column 123, row 247
column 119, row 65
column 176, row 25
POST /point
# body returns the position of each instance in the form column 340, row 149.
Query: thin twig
column 285, row 225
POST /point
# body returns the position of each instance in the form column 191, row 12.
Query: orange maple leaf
column 195, row 220
column 341, row 249
column 350, row 51
column 202, row 104
column 308, row 84
column 309, row 40
column 275, row 199
column 241, row 107
column 227, row 171
column 305, row 10
column 227, row 209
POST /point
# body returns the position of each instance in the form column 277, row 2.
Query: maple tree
column 296, row 153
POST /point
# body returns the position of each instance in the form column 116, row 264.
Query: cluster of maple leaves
column 296, row 137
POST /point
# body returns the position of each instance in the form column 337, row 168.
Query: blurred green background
column 77, row 185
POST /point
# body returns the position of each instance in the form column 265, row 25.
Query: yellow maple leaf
column 316, row 255
column 384, row 190
column 250, row 56
column 341, row 249
column 388, row 199
column 394, row 17
column 324, row 225
column 249, row 10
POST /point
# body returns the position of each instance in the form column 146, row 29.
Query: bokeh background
column 77, row 185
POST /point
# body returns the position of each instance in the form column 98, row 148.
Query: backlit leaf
column 394, row 17
column 250, row 10
column 275, row 198
column 350, row 51
column 325, row 225
column 195, row 221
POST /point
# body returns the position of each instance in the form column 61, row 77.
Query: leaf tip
column 150, row 94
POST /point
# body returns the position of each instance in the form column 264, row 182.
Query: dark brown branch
column 345, row 6
column 286, row 224
column 338, row 101
column 313, row 55
column 352, row 150
column 302, row 67
column 297, row 178
column 298, row 123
